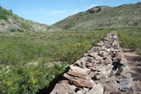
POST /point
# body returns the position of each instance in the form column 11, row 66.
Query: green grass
column 130, row 38
column 30, row 61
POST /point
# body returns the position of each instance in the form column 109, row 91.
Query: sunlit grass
column 30, row 61
column 130, row 38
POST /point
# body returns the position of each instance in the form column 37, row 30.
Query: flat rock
column 79, row 69
column 97, row 89
column 82, row 83
column 78, row 74
column 62, row 88
column 67, row 76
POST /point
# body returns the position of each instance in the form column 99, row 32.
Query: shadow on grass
column 47, row 90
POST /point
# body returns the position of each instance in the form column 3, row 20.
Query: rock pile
column 102, row 70
column 97, row 9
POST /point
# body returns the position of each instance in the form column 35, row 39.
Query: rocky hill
column 127, row 15
column 14, row 23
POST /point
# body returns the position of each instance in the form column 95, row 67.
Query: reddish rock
column 82, row 83
column 62, row 88
column 78, row 74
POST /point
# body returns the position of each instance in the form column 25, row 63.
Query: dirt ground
column 134, row 63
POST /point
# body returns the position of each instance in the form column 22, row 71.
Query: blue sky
column 51, row 11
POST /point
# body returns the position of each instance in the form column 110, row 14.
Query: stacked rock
column 102, row 70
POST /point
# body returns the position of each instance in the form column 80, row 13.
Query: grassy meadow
column 30, row 61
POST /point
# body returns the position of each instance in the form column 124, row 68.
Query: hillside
column 127, row 15
column 14, row 23
column 32, row 62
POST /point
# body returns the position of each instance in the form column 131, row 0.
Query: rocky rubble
column 102, row 70
column 97, row 9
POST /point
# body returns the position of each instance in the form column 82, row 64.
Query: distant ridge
column 127, row 15
column 13, row 23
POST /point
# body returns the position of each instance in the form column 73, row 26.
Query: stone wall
column 102, row 70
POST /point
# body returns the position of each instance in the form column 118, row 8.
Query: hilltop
column 127, row 15
column 11, row 22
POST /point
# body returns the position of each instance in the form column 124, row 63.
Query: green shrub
column 5, row 13
column 25, row 25
column 30, row 61
column 3, row 17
